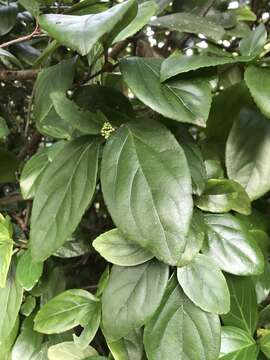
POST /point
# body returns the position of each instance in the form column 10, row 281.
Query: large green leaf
column 258, row 82
column 10, row 300
column 236, row 344
column 190, row 23
column 205, row 285
column 113, row 246
column 6, row 345
column 69, row 351
column 28, row 272
column 253, row 43
column 248, row 151
column 147, row 187
column 184, row 100
column 63, row 195
column 128, row 347
column 131, row 297
column 232, row 246
column 223, row 195
column 67, row 310
column 180, row 330
column 6, row 248
column 243, row 313
column 81, row 33
column 54, row 78
column 8, row 15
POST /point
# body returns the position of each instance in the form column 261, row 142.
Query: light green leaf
column 147, row 188
column 4, row 130
column 114, row 247
column 145, row 11
column 205, row 285
column 236, row 344
column 6, row 248
column 56, row 213
column 258, row 82
column 232, row 246
column 180, row 330
column 265, row 345
column 182, row 100
column 81, row 33
column 6, row 345
column 28, row 272
column 28, row 306
column 248, row 151
column 223, row 195
column 128, row 347
column 131, row 297
column 8, row 16
column 184, row 22
column 253, row 43
column 66, row 310
column 90, row 329
column 243, row 313
column 69, row 351
column 244, row 13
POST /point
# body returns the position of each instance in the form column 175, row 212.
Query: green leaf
column 145, row 11
column 223, row 195
column 258, row 82
column 28, row 306
column 90, row 329
column 56, row 213
column 28, row 343
column 126, row 291
column 4, row 130
column 54, row 78
column 69, row 351
column 262, row 282
column 265, row 345
column 67, row 310
column 253, row 43
column 31, row 5
column 247, row 152
column 28, row 272
column 81, row 33
column 180, row 330
column 34, row 169
column 6, row 57
column 6, row 248
column 244, row 13
column 9, row 165
column 232, row 246
column 76, row 245
column 243, row 313
column 114, row 247
column 10, row 300
column 236, row 344
column 147, row 188
column 181, row 100
column 205, row 285
column 6, row 345
column 128, row 347
column 184, row 22
column 8, row 16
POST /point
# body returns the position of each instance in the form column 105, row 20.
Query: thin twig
column 20, row 75
column 31, row 146
column 11, row 199
column 21, row 39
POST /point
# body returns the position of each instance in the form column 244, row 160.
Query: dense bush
column 135, row 179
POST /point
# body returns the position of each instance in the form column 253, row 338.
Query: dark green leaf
column 182, row 100
column 147, row 188
column 254, row 42
column 28, row 272
column 9, row 165
column 262, row 283
column 128, row 288
column 55, row 213
column 8, row 15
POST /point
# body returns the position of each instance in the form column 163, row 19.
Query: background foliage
column 134, row 180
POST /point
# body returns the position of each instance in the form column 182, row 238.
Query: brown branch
column 11, row 199
column 21, row 39
column 20, row 75
column 31, row 146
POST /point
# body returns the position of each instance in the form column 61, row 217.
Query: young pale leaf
column 128, row 347
column 145, row 11
column 131, row 297
column 67, row 310
column 185, row 22
column 69, row 351
column 223, row 195
column 6, row 248
column 8, row 16
column 265, row 345
column 81, row 33
column 254, row 42
column 243, row 313
column 184, row 100
column 28, row 272
column 180, row 330
column 147, row 187
column 205, row 285
column 232, row 246
column 10, row 300
column 236, row 344
column 63, row 195
column 258, row 82
column 248, row 151
column 114, row 247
